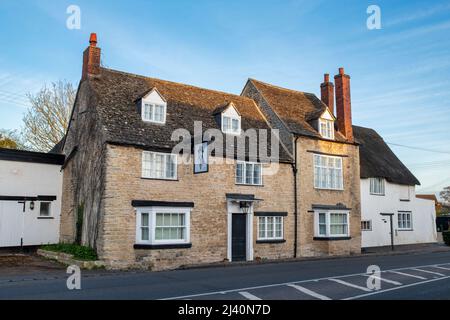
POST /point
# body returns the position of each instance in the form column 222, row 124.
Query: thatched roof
column 378, row 160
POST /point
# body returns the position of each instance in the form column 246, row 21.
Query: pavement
column 415, row 275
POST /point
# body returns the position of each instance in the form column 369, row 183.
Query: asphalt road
column 408, row 276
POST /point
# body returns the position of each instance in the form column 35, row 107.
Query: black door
column 238, row 237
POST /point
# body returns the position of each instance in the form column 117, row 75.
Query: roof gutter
column 294, row 172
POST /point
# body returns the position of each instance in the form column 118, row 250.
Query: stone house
column 160, row 174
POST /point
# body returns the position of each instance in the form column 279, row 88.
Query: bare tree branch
column 45, row 123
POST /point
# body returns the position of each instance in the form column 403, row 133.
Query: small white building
column 30, row 197
column 388, row 199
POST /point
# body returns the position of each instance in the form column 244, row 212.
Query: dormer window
column 154, row 107
column 231, row 120
column 153, row 112
column 326, row 128
column 326, row 125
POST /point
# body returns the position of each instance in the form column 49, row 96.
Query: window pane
column 181, row 219
column 171, row 166
column 173, row 233
column 248, row 173
column 226, row 124
column 148, row 111
column 235, row 123
column 262, row 227
column 159, row 219
column 337, row 229
column 159, row 113
column 45, row 209
column 322, row 230
column 278, row 227
column 322, row 224
column 240, row 173
column 144, row 234
column 257, row 174
column 270, row 227
column 144, row 219
column 146, row 172
column 322, row 218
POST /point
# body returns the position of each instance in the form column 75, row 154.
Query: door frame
column 233, row 208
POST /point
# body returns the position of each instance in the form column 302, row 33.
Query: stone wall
column 308, row 196
column 208, row 217
column 83, row 181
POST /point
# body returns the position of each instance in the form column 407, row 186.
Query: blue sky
column 400, row 74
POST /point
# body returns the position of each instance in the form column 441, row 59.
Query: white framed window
column 270, row 228
column 405, row 221
column 333, row 223
column 153, row 112
column 162, row 225
column 328, row 172
column 248, row 173
column 154, row 107
column 366, row 225
column 326, row 128
column 231, row 124
column 44, row 209
column 156, row 165
column 377, row 186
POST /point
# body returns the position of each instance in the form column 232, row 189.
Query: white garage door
column 11, row 223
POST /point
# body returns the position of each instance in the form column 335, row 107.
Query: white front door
column 11, row 223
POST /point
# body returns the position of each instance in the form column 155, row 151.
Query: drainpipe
column 294, row 171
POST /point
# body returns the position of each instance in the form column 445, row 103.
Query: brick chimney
column 343, row 104
column 91, row 58
column 327, row 92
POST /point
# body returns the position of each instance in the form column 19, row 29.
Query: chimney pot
column 91, row 58
column 326, row 78
column 341, row 71
column 93, row 39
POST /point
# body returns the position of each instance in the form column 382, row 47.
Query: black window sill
column 271, row 241
column 401, row 230
column 163, row 246
column 45, row 218
column 378, row 194
column 331, row 238
column 405, row 200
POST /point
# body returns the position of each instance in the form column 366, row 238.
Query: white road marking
column 385, row 280
column 345, row 283
column 203, row 294
column 430, row 272
column 248, row 295
column 408, row 275
column 443, row 268
column 309, row 292
column 396, row 288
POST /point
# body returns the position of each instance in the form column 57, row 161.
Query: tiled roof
column 117, row 93
column 295, row 108
column 378, row 160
